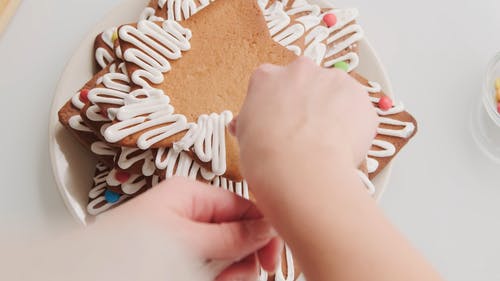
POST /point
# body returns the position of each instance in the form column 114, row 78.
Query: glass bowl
column 485, row 123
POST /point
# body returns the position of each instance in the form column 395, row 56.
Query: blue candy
column 111, row 196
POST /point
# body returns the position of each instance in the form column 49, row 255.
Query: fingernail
column 260, row 229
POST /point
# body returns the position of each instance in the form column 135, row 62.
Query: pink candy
column 330, row 20
column 385, row 103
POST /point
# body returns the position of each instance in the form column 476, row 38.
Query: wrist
column 279, row 165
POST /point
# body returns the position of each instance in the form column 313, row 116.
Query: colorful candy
column 111, row 196
column 385, row 103
column 122, row 177
column 84, row 95
column 342, row 65
column 330, row 20
column 114, row 37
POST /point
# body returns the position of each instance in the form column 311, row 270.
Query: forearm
column 335, row 228
column 109, row 251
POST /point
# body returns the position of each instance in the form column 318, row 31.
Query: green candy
column 342, row 65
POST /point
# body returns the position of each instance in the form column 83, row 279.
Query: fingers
column 270, row 255
column 203, row 203
column 246, row 269
column 230, row 241
column 261, row 73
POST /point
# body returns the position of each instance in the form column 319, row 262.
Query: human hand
column 303, row 112
column 216, row 225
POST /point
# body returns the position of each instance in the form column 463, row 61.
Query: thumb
column 233, row 240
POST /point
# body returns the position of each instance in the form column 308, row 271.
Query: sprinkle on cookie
column 342, row 65
column 385, row 103
column 330, row 20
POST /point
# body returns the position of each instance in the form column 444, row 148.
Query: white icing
column 405, row 132
column 102, row 148
column 99, row 185
column 125, row 161
column 101, row 167
column 118, row 52
column 149, row 14
column 155, row 180
column 336, row 48
column 279, row 276
column 76, row 102
column 210, row 144
column 93, row 113
column 387, row 149
column 371, row 165
column 353, row 59
column 395, row 110
column 366, row 181
column 323, row 44
column 182, row 9
column 76, row 123
column 115, row 89
column 290, row 275
column 103, row 55
column 108, row 96
column 171, row 125
column 116, row 81
column 176, row 163
column 373, row 87
column 153, row 47
column 93, row 210
column 104, row 127
column 276, row 17
column 133, row 185
column 96, row 194
column 144, row 109
column 239, row 188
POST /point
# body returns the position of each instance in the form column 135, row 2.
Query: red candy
column 122, row 177
column 330, row 20
column 84, row 95
column 385, row 103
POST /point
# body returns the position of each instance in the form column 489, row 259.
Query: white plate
column 73, row 166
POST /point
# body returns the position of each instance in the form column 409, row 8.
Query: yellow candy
column 498, row 95
column 115, row 37
column 497, row 84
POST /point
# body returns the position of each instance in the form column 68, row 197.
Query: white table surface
column 444, row 194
